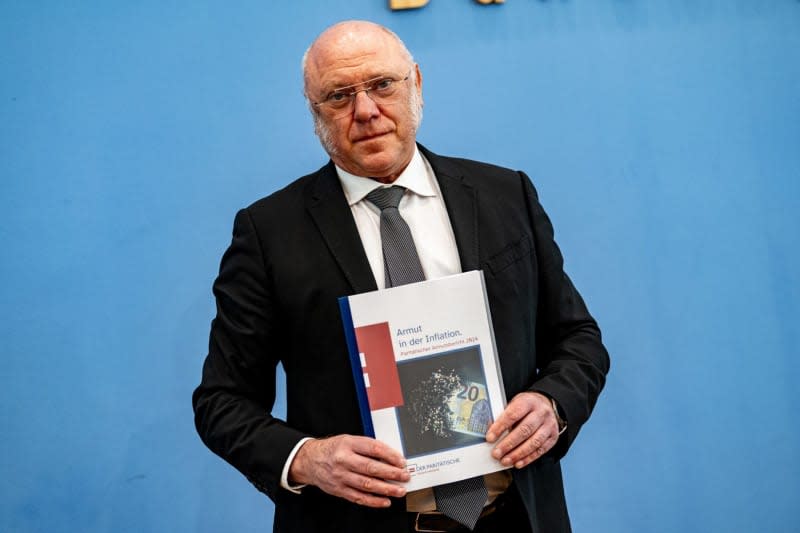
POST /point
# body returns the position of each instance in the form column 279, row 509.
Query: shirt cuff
column 285, row 472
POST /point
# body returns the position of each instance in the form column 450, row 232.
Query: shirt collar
column 417, row 177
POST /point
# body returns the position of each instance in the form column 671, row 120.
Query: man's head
column 366, row 132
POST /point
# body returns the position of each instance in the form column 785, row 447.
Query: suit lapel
column 328, row 208
column 461, row 201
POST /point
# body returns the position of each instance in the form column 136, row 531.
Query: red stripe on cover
column 375, row 342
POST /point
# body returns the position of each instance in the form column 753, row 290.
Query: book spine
column 355, row 366
column 488, row 314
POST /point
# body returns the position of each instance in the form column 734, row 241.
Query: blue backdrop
column 664, row 138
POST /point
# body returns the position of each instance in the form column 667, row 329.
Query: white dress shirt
column 423, row 209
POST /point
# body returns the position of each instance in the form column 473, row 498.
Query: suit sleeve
column 234, row 400
column 572, row 362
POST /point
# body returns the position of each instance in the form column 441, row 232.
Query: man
column 295, row 252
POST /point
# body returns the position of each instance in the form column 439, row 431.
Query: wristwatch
column 562, row 424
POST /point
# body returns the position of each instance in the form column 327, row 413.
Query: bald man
column 295, row 252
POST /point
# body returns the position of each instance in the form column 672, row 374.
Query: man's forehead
column 343, row 78
column 353, row 55
column 341, row 74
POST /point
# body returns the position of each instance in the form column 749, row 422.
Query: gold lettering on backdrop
column 407, row 4
column 413, row 4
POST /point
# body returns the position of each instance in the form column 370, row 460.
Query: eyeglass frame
column 352, row 95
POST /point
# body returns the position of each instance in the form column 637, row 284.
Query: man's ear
column 418, row 83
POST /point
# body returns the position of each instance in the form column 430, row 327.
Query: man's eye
column 337, row 98
column 383, row 85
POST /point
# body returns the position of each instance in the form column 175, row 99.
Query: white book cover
column 427, row 375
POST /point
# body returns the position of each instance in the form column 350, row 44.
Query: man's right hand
column 354, row 468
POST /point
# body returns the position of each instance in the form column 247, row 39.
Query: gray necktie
column 400, row 260
column 462, row 500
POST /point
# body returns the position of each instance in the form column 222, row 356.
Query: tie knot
column 386, row 197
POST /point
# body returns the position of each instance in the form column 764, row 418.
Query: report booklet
column 427, row 375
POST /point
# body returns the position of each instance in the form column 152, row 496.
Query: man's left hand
column 532, row 430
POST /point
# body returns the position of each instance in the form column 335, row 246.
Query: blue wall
column 664, row 138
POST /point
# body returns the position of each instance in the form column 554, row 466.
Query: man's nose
column 364, row 107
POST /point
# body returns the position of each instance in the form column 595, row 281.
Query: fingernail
column 490, row 437
column 506, row 461
column 497, row 454
column 519, row 464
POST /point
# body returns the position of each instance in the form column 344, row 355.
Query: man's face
column 372, row 140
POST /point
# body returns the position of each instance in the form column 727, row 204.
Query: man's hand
column 532, row 427
column 353, row 468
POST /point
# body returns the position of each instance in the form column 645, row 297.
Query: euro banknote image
column 446, row 405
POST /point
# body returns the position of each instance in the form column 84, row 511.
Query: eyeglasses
column 381, row 90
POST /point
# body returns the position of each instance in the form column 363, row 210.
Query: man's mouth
column 370, row 136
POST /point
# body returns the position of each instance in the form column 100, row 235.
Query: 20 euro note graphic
column 470, row 412
column 446, row 401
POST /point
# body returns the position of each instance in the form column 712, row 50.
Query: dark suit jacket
column 296, row 251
